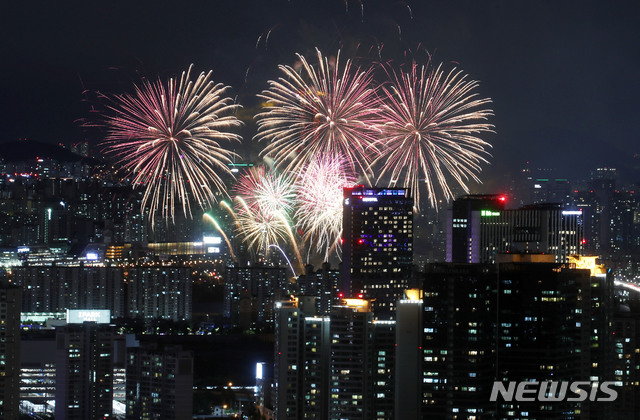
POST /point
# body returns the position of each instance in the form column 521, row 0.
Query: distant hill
column 26, row 150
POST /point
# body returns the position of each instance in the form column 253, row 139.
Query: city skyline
column 559, row 75
column 340, row 209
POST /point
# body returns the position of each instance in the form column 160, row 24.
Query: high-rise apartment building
column 554, row 323
column 9, row 350
column 50, row 288
column 626, row 360
column 383, row 369
column 288, row 367
column 525, row 318
column 351, row 365
column 377, row 245
column 408, row 356
column 159, row 292
column 458, row 366
column 251, row 292
column 143, row 291
column 323, row 284
column 159, row 382
column 84, row 371
column 333, row 367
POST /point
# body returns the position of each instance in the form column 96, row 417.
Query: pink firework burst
column 319, row 209
column 172, row 141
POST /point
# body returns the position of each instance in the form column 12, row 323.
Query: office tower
column 610, row 215
column 602, row 186
column 538, row 185
column 480, row 229
column 551, row 190
column 408, row 355
column 9, row 350
column 251, row 292
column 429, row 230
column 625, row 221
column 323, row 284
column 585, row 201
column 525, row 318
column 159, row 382
column 377, row 245
column 84, row 371
column 159, row 292
column 465, row 229
column 546, row 229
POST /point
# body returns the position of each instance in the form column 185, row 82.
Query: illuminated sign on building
column 78, row 316
column 215, row 240
column 259, row 370
column 92, row 256
column 489, row 213
column 213, row 250
column 572, row 212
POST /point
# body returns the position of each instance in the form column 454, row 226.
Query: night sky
column 564, row 76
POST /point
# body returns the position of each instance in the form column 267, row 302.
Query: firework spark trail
column 319, row 212
column 285, row 257
column 259, row 228
column 292, row 238
column 226, row 205
column 226, row 239
column 266, row 200
column 430, row 122
column 328, row 110
column 168, row 139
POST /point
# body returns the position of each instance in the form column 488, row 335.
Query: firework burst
column 167, row 139
column 263, row 207
column 319, row 210
column 260, row 228
column 430, row 122
column 323, row 111
column 267, row 190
